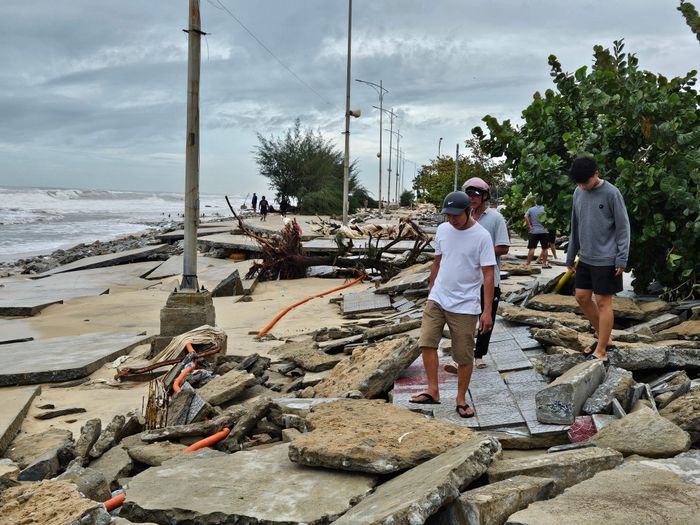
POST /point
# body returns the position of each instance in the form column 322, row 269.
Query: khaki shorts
column 462, row 329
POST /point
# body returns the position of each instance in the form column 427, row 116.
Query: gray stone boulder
column 685, row 412
column 259, row 486
column 42, row 455
column 411, row 497
column 227, row 387
column 646, row 433
column 634, row 493
column 617, row 385
column 108, row 437
column 561, row 401
column 565, row 468
column 114, row 465
column 371, row 369
column 532, row 317
column 372, row 436
column 557, row 336
column 647, row 357
column 623, row 307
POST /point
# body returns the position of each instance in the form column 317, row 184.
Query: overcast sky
column 93, row 93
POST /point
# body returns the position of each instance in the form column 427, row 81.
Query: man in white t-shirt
column 464, row 260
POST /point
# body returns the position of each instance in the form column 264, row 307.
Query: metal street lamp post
column 381, row 91
column 439, row 144
column 392, row 116
column 346, row 160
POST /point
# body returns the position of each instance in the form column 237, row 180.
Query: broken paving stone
column 492, row 504
column 134, row 424
column 90, row 482
column 59, row 413
column 381, row 332
column 521, row 439
column 558, row 336
column 561, row 401
column 205, row 428
column 656, row 324
column 646, row 433
column 685, row 412
column 108, row 437
column 555, row 365
column 679, row 389
column 43, row 455
column 306, row 355
column 565, row 468
column 156, row 454
column 372, row 436
column 246, row 423
column 50, row 502
column 418, row 493
column 634, row 493
column 89, row 433
column 623, row 307
column 532, row 317
column 186, row 406
column 616, row 385
column 259, row 486
column 227, row 387
column 645, row 357
column 371, row 369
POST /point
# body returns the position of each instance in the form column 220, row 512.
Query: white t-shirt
column 464, row 253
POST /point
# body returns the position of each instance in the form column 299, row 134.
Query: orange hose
column 291, row 307
column 116, row 501
column 207, row 441
column 179, row 379
column 189, row 348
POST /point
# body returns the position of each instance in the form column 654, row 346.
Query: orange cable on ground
column 116, row 501
column 181, row 377
column 291, row 307
column 208, row 441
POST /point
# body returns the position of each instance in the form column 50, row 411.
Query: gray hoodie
column 600, row 228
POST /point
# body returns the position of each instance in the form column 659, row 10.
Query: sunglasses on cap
column 473, row 191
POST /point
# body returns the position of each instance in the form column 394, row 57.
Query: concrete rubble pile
column 312, row 429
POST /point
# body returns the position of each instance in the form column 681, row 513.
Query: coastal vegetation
column 305, row 169
column 643, row 129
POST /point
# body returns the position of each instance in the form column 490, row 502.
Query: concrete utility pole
column 398, row 164
column 189, row 307
column 392, row 115
column 189, row 271
column 346, row 161
column 381, row 91
column 456, row 166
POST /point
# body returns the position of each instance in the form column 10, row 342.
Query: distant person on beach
column 254, row 201
column 479, row 192
column 284, row 205
column 464, row 259
column 264, row 206
column 600, row 236
column 537, row 234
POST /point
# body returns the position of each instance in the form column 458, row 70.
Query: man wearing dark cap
column 464, row 260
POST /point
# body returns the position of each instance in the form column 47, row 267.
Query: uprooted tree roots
column 283, row 257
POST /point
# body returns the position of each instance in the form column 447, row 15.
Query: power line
column 224, row 8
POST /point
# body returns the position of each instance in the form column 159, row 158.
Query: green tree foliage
column 407, row 198
column 304, row 167
column 691, row 17
column 436, row 179
column 643, row 130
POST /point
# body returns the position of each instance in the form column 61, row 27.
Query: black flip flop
column 593, row 357
column 590, row 349
column 429, row 400
column 465, row 407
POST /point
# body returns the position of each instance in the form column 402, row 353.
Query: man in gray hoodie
column 600, row 235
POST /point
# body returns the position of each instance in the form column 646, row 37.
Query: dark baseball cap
column 455, row 203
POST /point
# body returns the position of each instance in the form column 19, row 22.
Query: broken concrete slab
column 108, row 259
column 371, row 369
column 623, row 307
column 561, row 401
column 90, row 482
column 616, row 385
column 532, row 317
column 187, row 406
column 416, row 494
column 227, row 387
column 558, row 335
column 306, row 355
column 656, row 324
column 555, row 365
column 114, row 465
column 260, row 486
column 361, row 302
column 685, row 412
column 13, row 409
column 646, row 433
column 521, row 439
column 202, row 231
column 643, row 357
column 686, row 330
column 62, row 358
column 403, row 282
column 108, row 437
column 89, row 434
column 372, row 436
column 228, row 241
column 155, row 454
column 565, row 468
column 685, row 465
column 42, row 455
column 619, row 498
column 222, row 277
column 492, row 504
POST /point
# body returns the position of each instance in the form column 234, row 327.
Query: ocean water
column 37, row 221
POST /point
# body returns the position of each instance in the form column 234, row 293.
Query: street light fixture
column 381, row 91
column 439, row 144
column 346, row 159
column 392, row 116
